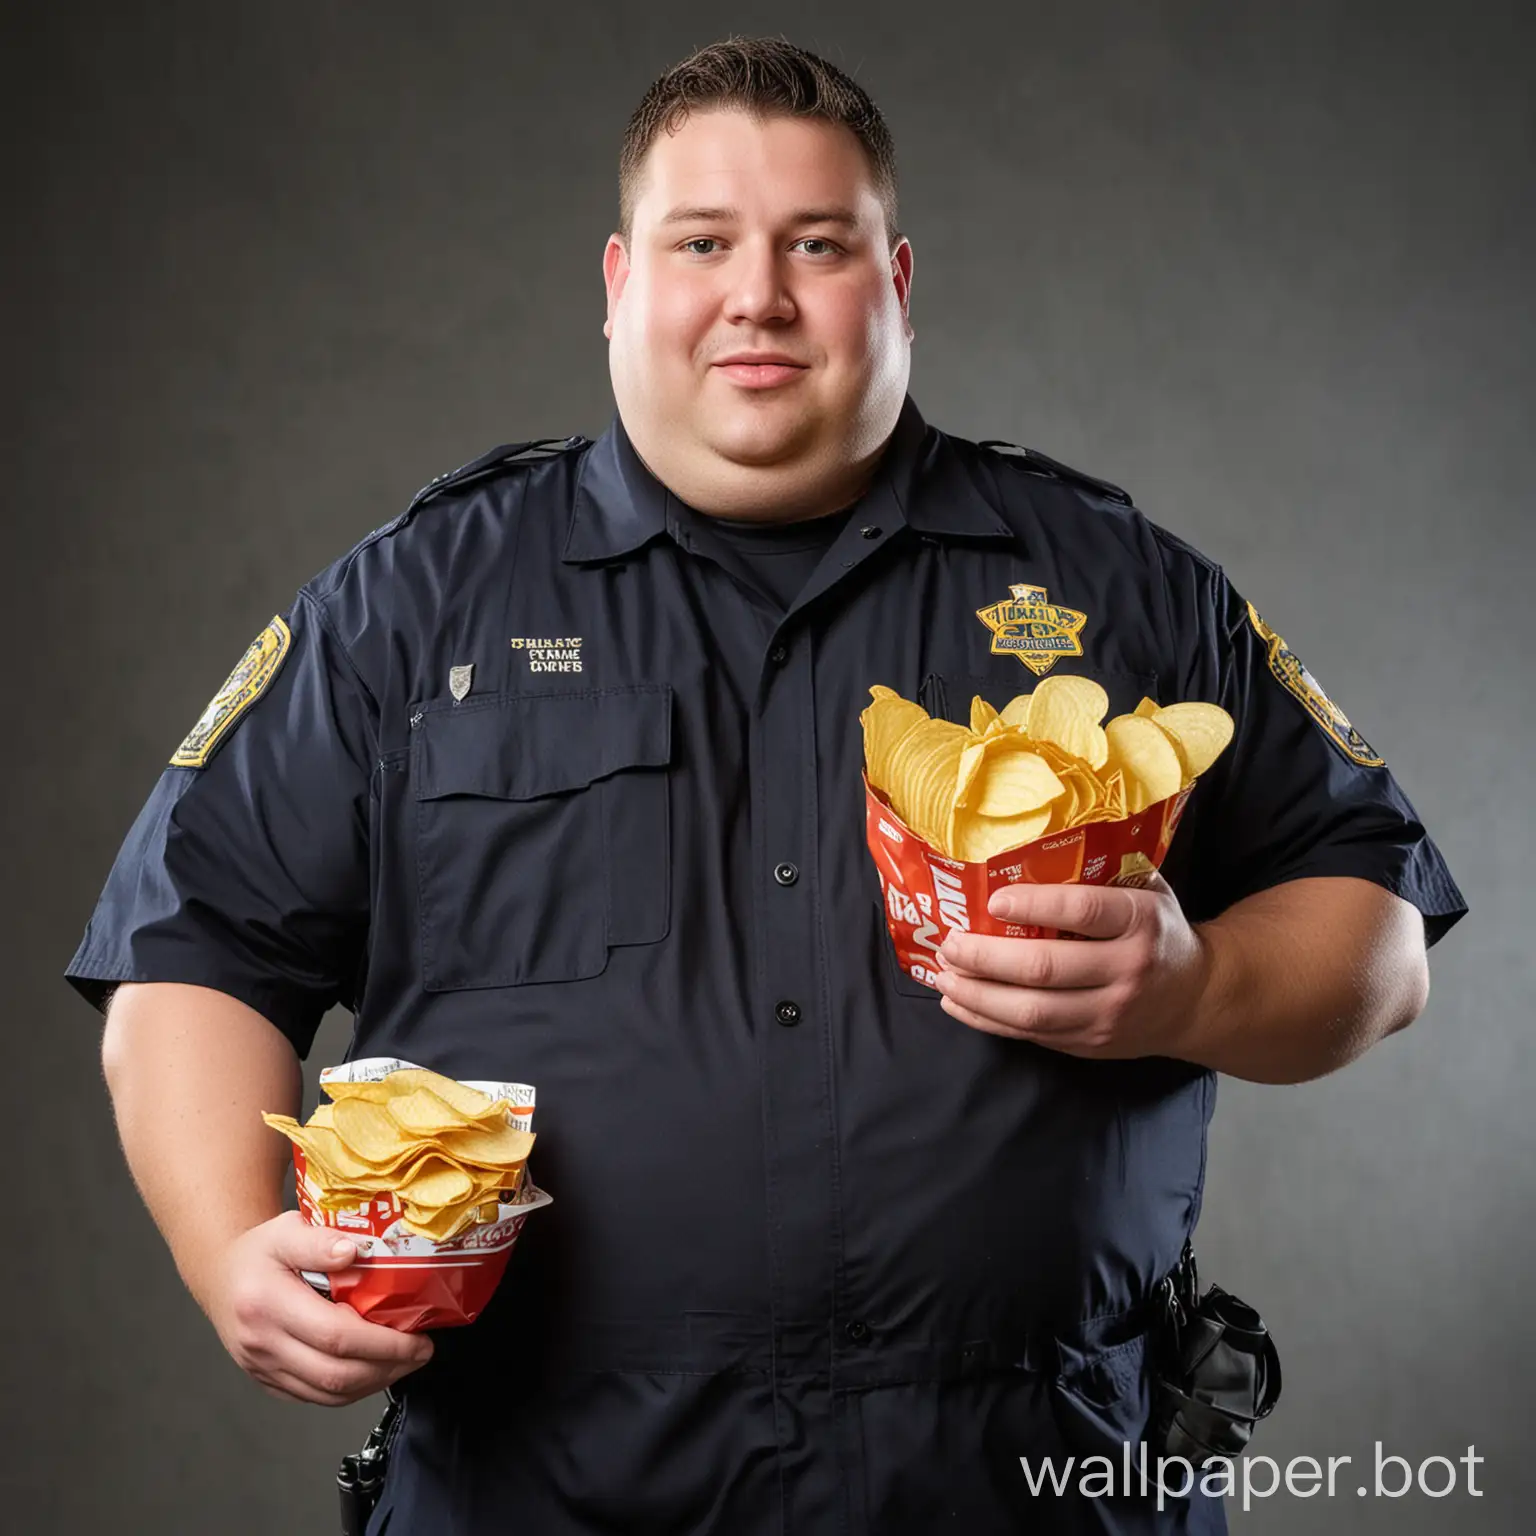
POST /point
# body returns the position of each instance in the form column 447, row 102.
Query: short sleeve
column 1299, row 792
column 247, row 870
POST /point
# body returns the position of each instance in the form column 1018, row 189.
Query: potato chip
column 1114, row 794
column 978, row 838
column 1065, row 810
column 1143, row 755
column 972, row 757
column 374, row 1092
column 1011, row 783
column 1067, row 711
column 369, row 1130
column 323, row 1149
column 492, row 1146
column 1147, row 708
column 1102, row 813
column 467, row 1100
column 1090, row 794
column 924, row 772
column 440, row 1224
column 1201, row 731
column 885, row 722
column 338, row 1195
column 436, row 1181
column 1185, row 777
column 1016, row 711
column 982, row 715
column 1060, row 761
column 425, row 1113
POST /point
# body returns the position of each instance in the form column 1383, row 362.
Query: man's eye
column 828, row 247
column 700, row 240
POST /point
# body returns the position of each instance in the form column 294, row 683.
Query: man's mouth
column 760, row 372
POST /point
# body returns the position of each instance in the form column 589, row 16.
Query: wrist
column 1206, row 1018
column 202, row 1264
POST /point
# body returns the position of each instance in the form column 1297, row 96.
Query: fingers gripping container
column 408, row 1282
column 927, row 894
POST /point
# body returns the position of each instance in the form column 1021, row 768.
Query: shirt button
column 871, row 533
column 786, row 874
column 787, row 1013
column 778, row 655
column 857, row 1330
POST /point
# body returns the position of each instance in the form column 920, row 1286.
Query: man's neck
column 791, row 494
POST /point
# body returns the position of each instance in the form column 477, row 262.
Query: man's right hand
column 286, row 1336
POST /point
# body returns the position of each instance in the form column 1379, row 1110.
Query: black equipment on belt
column 1215, row 1370
column 360, row 1478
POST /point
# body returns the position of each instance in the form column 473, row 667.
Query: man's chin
column 761, row 439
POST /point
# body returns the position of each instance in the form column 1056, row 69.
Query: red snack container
column 405, row 1281
column 927, row 894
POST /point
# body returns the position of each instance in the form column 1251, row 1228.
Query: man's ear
column 901, row 276
column 615, row 275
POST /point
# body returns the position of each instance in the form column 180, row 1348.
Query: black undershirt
column 779, row 556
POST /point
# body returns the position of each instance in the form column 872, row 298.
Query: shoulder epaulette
column 489, row 463
column 1042, row 464
column 476, row 469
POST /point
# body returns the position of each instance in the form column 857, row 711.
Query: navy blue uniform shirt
column 821, row 1259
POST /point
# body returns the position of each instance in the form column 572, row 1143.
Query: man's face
column 757, row 240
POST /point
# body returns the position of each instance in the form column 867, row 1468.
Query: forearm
column 1303, row 978
column 189, row 1071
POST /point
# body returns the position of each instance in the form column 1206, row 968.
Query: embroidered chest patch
column 1028, row 625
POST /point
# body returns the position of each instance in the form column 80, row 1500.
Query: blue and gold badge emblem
column 1289, row 672
column 254, row 671
column 1028, row 625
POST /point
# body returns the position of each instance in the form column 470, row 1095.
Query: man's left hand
column 1129, row 987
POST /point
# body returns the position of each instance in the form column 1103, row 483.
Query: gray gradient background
column 273, row 267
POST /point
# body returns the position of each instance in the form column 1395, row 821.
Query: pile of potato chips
column 447, row 1152
column 1042, row 765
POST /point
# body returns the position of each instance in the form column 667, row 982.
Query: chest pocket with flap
column 542, row 833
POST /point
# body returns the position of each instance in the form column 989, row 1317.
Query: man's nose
column 760, row 289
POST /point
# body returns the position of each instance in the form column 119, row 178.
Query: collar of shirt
column 920, row 483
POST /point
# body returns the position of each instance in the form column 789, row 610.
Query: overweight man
column 555, row 778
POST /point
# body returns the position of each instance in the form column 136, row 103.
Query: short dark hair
column 765, row 77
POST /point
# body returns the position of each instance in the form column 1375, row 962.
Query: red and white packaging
column 408, row 1282
column 927, row 894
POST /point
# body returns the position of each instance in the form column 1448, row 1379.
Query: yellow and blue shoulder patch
column 250, row 679
column 1289, row 672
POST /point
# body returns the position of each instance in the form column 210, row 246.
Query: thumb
column 304, row 1246
column 335, row 1249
